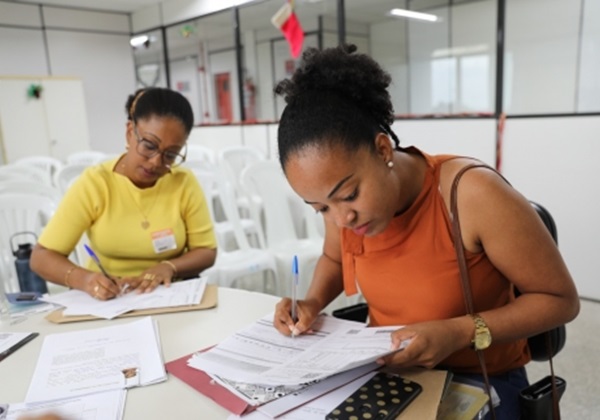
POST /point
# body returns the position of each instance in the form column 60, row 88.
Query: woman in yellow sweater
column 146, row 218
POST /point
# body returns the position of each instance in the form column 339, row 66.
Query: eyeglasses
column 149, row 149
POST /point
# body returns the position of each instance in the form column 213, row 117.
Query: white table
column 181, row 333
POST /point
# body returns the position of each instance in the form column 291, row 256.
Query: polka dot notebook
column 382, row 397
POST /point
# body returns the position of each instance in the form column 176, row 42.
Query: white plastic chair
column 235, row 268
column 209, row 178
column 46, row 164
column 30, row 187
column 67, row 174
column 197, row 152
column 266, row 179
column 20, row 213
column 233, row 160
column 87, row 157
column 24, row 172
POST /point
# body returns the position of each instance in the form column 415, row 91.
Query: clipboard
column 209, row 300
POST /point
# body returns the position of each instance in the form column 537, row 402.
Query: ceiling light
column 138, row 41
column 413, row 15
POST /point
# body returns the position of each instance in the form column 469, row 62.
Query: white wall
column 553, row 161
column 88, row 45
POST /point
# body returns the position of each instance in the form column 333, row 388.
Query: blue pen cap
column 295, row 265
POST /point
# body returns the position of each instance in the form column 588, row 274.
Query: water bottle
column 28, row 280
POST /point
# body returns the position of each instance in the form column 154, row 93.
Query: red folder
column 204, row 384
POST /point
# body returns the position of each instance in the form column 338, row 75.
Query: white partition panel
column 551, row 160
column 217, row 137
column 468, row 137
column 256, row 136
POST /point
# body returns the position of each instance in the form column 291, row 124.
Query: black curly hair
column 335, row 97
column 160, row 102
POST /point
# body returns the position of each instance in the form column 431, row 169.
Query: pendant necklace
column 145, row 224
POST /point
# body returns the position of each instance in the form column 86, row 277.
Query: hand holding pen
column 99, row 287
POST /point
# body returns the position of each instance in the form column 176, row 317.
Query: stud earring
column 390, row 164
column 126, row 147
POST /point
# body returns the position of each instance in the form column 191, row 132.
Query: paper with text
column 82, row 362
column 260, row 354
column 101, row 406
column 181, row 293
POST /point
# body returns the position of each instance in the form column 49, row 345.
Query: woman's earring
column 390, row 164
column 127, row 147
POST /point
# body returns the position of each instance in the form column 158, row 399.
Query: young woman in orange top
column 388, row 231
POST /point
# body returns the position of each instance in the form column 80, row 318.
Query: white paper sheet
column 181, row 293
column 260, row 354
column 82, row 362
column 101, row 406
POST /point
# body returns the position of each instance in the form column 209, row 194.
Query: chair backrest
column 87, row 157
column 228, row 202
column 30, row 187
column 67, row 174
column 266, row 179
column 233, row 160
column 197, row 152
column 21, row 213
column 25, row 172
column 46, row 164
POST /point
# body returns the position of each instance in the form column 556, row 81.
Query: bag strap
column 466, row 285
column 464, row 271
column 555, row 406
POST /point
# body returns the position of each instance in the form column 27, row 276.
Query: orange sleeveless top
column 409, row 273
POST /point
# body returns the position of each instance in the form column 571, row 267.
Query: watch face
column 482, row 341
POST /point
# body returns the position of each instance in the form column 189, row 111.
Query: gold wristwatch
column 483, row 337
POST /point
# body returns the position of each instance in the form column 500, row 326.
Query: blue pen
column 94, row 257
column 294, row 287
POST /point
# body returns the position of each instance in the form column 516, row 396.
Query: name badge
column 163, row 240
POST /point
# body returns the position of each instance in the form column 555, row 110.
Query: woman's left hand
column 430, row 343
column 152, row 277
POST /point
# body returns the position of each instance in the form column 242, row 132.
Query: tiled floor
column 579, row 364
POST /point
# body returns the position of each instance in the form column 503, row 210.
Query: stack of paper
column 257, row 368
column 85, row 374
column 83, row 362
column 101, row 406
column 181, row 293
column 259, row 354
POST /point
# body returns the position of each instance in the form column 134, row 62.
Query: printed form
column 260, row 354
column 181, row 293
column 108, row 405
column 83, row 362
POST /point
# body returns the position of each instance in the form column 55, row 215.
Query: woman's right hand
column 307, row 314
column 100, row 287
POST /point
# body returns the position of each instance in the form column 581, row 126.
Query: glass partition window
column 148, row 55
column 202, row 64
column 541, row 58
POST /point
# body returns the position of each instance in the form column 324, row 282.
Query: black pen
column 17, row 346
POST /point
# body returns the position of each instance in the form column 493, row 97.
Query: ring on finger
column 96, row 289
column 149, row 276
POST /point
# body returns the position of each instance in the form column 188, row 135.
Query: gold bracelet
column 67, row 274
column 170, row 264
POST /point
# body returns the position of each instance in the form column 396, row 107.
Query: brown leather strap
column 464, row 271
column 468, row 296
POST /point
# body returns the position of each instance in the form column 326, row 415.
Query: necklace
column 145, row 224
